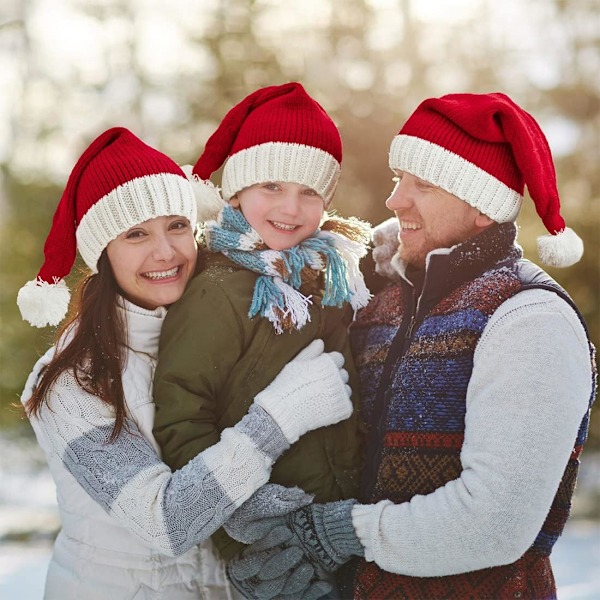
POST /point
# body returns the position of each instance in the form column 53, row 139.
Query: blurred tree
column 171, row 75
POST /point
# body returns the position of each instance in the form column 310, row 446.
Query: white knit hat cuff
column 138, row 200
column 281, row 161
column 437, row 165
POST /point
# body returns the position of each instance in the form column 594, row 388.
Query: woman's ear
column 234, row 201
column 483, row 221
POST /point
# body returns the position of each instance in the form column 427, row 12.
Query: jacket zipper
column 397, row 350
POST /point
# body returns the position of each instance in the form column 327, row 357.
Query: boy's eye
column 310, row 192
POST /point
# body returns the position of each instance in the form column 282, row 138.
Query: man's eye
column 424, row 185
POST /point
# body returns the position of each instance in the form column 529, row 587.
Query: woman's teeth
column 162, row 274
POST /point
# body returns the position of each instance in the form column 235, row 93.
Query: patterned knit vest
column 413, row 390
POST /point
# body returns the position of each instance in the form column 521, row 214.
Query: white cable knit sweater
column 130, row 527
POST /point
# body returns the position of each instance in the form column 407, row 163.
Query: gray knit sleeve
column 170, row 511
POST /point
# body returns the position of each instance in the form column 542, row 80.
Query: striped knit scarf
column 335, row 249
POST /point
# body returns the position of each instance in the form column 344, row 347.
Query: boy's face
column 283, row 214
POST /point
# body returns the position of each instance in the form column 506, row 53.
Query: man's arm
column 528, row 393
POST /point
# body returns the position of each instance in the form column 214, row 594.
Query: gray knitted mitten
column 277, row 572
column 326, row 533
column 263, row 511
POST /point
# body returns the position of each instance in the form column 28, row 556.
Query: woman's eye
column 271, row 186
column 179, row 225
column 134, row 234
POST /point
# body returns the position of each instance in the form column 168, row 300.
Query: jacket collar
column 447, row 268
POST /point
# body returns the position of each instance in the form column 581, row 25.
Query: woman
column 130, row 527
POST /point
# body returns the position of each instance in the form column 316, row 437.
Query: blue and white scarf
column 335, row 249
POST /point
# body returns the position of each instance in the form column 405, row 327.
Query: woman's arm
column 175, row 511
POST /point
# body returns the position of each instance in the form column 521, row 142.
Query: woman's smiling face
column 153, row 261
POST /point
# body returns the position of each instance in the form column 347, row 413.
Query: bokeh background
column 170, row 70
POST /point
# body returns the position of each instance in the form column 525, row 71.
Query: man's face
column 430, row 218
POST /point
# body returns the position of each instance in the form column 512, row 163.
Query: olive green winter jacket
column 213, row 360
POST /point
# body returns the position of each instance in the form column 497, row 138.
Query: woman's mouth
column 157, row 275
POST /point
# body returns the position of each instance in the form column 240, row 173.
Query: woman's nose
column 163, row 248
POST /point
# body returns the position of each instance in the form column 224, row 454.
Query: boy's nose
column 291, row 203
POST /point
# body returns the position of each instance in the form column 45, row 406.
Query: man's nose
column 400, row 197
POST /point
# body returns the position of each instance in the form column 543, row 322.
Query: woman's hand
column 311, row 391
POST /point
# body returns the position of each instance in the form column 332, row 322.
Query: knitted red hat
column 484, row 149
column 118, row 182
column 277, row 133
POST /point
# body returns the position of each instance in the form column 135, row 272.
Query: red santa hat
column 485, row 149
column 277, row 133
column 118, row 182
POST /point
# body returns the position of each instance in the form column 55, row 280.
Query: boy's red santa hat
column 484, row 149
column 118, row 182
column 277, row 133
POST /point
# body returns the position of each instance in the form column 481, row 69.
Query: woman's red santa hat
column 484, row 149
column 118, row 182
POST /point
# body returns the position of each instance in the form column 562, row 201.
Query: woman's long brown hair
column 95, row 352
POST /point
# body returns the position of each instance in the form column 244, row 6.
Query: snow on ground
column 29, row 520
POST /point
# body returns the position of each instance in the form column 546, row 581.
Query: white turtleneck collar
column 143, row 326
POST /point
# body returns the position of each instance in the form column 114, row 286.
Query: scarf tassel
column 285, row 307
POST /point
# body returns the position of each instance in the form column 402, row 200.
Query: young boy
column 275, row 276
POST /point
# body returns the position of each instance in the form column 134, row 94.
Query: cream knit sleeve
column 529, row 390
column 169, row 511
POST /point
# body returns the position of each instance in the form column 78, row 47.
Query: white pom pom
column 43, row 303
column 208, row 196
column 561, row 250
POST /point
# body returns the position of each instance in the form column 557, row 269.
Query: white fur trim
column 279, row 161
column 138, row 200
column 437, row 165
column 561, row 250
column 208, row 196
column 385, row 247
column 43, row 303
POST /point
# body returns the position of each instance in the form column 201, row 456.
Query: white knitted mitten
column 311, row 391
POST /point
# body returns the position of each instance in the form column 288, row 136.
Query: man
column 477, row 377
